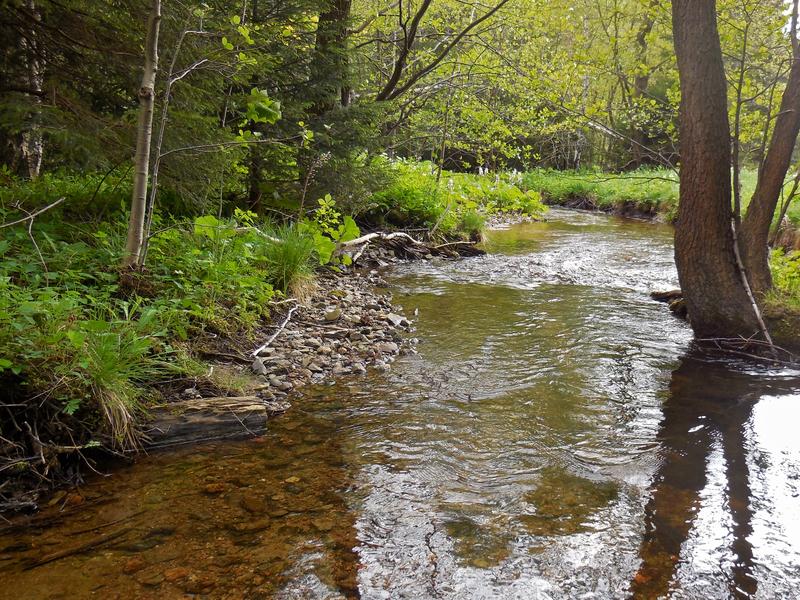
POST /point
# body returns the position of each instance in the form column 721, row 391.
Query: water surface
column 554, row 437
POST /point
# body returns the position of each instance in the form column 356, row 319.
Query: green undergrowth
column 650, row 191
column 786, row 279
column 82, row 339
column 453, row 204
column 653, row 191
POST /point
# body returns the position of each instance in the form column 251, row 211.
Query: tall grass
column 288, row 263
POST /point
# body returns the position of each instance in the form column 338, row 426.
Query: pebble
column 150, row 579
column 133, row 565
column 252, row 503
column 176, row 573
column 388, row 347
column 214, row 488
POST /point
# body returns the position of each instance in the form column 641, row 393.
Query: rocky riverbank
column 345, row 327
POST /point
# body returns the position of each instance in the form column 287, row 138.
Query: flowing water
column 553, row 438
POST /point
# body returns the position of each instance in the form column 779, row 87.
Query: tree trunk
column 331, row 61
column 133, row 246
column 641, row 82
column 32, row 141
column 758, row 219
column 716, row 298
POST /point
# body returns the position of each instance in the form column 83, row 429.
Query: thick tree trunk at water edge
column 716, row 298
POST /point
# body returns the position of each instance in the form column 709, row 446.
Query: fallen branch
column 266, row 236
column 409, row 245
column 382, row 236
column 282, row 326
column 33, row 215
column 79, row 549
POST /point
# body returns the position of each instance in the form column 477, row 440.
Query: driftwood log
column 405, row 246
column 205, row 419
column 675, row 300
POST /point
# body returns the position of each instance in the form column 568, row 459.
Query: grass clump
column 288, row 263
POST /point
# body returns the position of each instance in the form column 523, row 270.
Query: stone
column 252, row 503
column 339, row 369
column 250, row 526
column 381, row 366
column 176, row 573
column 275, row 381
column 397, row 320
column 333, row 315
column 314, row 368
column 74, row 499
column 150, row 579
column 214, row 488
column 258, row 367
column 133, row 565
column 322, row 523
column 276, row 407
column 388, row 347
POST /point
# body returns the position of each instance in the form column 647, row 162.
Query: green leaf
column 236, row 19
column 325, row 247
column 349, row 229
column 72, row 406
column 206, row 225
column 77, row 338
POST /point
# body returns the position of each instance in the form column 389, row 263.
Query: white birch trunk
column 32, row 142
column 133, row 246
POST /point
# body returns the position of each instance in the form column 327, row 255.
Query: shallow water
column 553, row 438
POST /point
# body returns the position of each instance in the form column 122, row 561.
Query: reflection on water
column 553, row 438
column 727, row 489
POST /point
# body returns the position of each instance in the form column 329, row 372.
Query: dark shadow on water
column 709, row 406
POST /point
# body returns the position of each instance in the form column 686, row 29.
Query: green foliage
column 93, row 340
column 85, row 196
column 651, row 191
column 786, row 279
column 472, row 224
column 458, row 203
column 328, row 228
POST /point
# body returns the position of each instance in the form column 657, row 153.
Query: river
column 555, row 437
